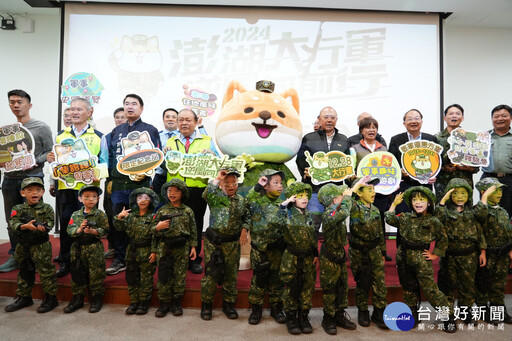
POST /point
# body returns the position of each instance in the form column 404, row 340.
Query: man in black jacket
column 325, row 139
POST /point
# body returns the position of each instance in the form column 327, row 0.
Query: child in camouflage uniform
column 414, row 259
column 466, row 247
column 267, row 245
column 498, row 236
column 298, row 266
column 222, row 242
column 141, row 252
column 87, row 226
column 177, row 238
column 333, row 270
column 367, row 251
column 31, row 222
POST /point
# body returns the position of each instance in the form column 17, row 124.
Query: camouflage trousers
column 378, row 283
column 460, row 277
column 287, row 274
column 143, row 290
column 41, row 255
column 274, row 286
column 498, row 267
column 423, row 270
column 93, row 259
column 332, row 276
column 175, row 287
column 231, row 251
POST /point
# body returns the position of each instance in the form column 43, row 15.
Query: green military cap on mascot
column 328, row 192
column 298, row 187
column 428, row 193
column 90, row 188
column 143, row 190
column 485, row 183
column 178, row 183
column 458, row 182
column 265, row 86
column 31, row 181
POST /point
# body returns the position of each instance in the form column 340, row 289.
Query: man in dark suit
column 413, row 120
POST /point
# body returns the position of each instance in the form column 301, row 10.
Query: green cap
column 298, row 187
column 230, row 170
column 458, row 182
column 328, row 192
column 32, row 181
column 269, row 172
column 428, row 193
column 90, row 188
column 143, row 190
column 485, row 183
column 179, row 184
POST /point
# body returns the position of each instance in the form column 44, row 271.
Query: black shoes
column 132, row 308
column 63, row 270
column 277, row 313
column 363, row 318
column 163, row 309
column 19, row 303
column 342, row 319
column 206, row 311
column 292, row 325
column 176, row 308
column 450, row 326
column 229, row 310
column 49, row 303
column 97, row 303
column 143, row 307
column 329, row 325
column 77, row 302
column 304, row 324
column 256, row 313
column 378, row 318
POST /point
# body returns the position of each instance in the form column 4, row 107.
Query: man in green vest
column 190, row 141
column 67, row 198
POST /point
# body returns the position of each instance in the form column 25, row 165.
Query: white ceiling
column 479, row 13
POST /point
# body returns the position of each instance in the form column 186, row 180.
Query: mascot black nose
column 265, row 115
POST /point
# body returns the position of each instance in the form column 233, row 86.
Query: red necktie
column 187, row 144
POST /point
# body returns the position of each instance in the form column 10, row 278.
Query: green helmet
column 458, row 182
column 298, row 187
column 90, row 188
column 143, row 190
column 485, row 183
column 269, row 172
column 328, row 192
column 179, row 184
column 428, row 193
column 33, row 180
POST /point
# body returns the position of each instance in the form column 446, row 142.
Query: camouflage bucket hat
column 458, row 182
column 179, row 184
column 143, row 190
column 31, row 181
column 328, row 192
column 428, row 193
column 298, row 187
column 269, row 172
column 230, row 170
column 485, row 183
column 90, row 188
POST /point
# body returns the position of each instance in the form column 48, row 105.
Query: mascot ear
column 294, row 97
column 230, row 91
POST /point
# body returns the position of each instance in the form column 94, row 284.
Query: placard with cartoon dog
column 421, row 159
column 385, row 167
column 331, row 166
column 139, row 155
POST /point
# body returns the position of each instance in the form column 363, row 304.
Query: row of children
column 284, row 251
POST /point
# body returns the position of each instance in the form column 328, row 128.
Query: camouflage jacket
column 365, row 224
column 41, row 212
column 444, row 177
column 261, row 208
column 462, row 228
column 138, row 228
column 96, row 216
column 420, row 229
column 495, row 224
column 227, row 215
column 180, row 226
column 298, row 229
column 333, row 226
